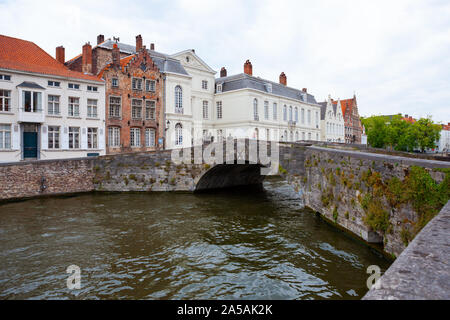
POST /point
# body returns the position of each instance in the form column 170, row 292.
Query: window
column 136, row 109
column 53, row 105
column 285, row 113
column 204, row 85
column 5, row 100
column 56, row 84
column 114, row 136
column 74, row 138
column 317, row 119
column 74, row 107
column 255, row 110
column 5, row 136
column 291, row 136
column 178, row 100
column 205, row 109
column 219, row 109
column 92, row 88
column 296, row 136
column 290, row 114
column 219, row 135
column 92, row 108
column 303, row 116
column 219, row 88
column 136, row 84
column 317, row 137
column 267, row 134
column 74, row 86
column 135, row 137
column 150, row 110
column 150, row 85
column 92, row 138
column 309, row 136
column 53, row 137
column 114, row 107
column 285, row 137
column 5, row 77
column 31, row 101
column 114, row 82
column 296, row 114
column 303, row 136
column 178, row 134
column 266, row 110
column 149, row 137
column 275, row 111
column 309, row 117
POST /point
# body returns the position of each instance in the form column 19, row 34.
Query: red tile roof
column 409, row 119
column 347, row 103
column 123, row 63
column 17, row 54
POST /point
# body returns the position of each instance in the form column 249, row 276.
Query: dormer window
column 219, row 88
column 269, row 87
column 187, row 59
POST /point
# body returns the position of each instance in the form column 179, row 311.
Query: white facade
column 444, row 141
column 197, row 112
column 332, row 122
column 250, row 113
column 45, row 120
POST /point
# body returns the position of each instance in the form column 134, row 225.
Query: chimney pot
column 305, row 90
column 152, row 46
column 100, row 39
column 115, row 55
column 138, row 42
column 223, row 72
column 248, row 68
column 86, row 60
column 283, row 79
column 60, row 54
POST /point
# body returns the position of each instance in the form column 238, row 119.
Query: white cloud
column 394, row 54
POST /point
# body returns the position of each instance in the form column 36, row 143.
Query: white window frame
column 178, row 134
column 54, row 137
column 266, row 110
column 5, row 136
column 3, row 99
column 150, row 110
column 219, row 109
column 53, row 105
column 136, row 84
column 136, row 109
column 114, row 137
column 135, row 137
column 74, row 137
column 92, row 108
column 178, row 99
column 205, row 109
column 73, row 109
column 205, row 84
column 92, row 138
column 150, row 85
column 115, row 106
column 150, row 137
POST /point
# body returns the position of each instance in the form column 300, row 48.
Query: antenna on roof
column 116, row 39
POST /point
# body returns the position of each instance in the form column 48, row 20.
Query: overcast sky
column 395, row 54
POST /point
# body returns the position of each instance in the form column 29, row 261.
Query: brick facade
column 353, row 127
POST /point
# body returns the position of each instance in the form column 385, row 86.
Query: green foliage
column 395, row 133
column 327, row 198
column 281, row 169
column 335, row 214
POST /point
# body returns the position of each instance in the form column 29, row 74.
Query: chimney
column 60, row 54
column 115, row 55
column 406, row 116
column 283, row 79
column 138, row 43
column 100, row 39
column 305, row 90
column 86, row 66
column 223, row 72
column 248, row 68
column 152, row 46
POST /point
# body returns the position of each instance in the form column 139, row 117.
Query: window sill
column 54, row 116
column 6, row 112
column 92, row 118
column 53, row 87
column 8, row 150
column 73, row 117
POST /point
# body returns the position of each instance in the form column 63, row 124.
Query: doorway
column 30, row 141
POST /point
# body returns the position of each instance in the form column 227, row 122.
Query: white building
column 46, row 110
column 332, row 121
column 444, row 141
column 252, row 107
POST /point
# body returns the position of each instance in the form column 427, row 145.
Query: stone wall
column 421, row 271
column 362, row 193
column 45, row 177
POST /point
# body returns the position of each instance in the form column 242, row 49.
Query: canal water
column 242, row 244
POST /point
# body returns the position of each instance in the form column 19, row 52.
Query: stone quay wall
column 376, row 197
column 21, row 180
column 421, row 272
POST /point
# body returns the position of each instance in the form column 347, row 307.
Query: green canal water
column 242, row 244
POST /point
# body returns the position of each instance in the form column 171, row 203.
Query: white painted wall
column 333, row 126
column 63, row 120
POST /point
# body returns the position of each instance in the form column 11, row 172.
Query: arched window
column 255, row 110
column 290, row 113
column 285, row 113
column 303, row 116
column 178, row 100
column 178, row 134
column 296, row 114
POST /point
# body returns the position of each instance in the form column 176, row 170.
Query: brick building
column 134, row 100
column 353, row 128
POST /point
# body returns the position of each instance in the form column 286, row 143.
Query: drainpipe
column 164, row 112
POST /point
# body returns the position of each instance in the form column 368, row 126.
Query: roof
column 123, row 63
column 347, row 104
column 192, row 52
column 245, row 81
column 323, row 108
column 22, row 55
column 31, row 85
column 164, row 62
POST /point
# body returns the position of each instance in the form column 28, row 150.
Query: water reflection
column 243, row 244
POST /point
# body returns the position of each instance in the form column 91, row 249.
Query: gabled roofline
column 191, row 51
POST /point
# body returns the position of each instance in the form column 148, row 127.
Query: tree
column 426, row 133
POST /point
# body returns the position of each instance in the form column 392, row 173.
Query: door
column 30, row 145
